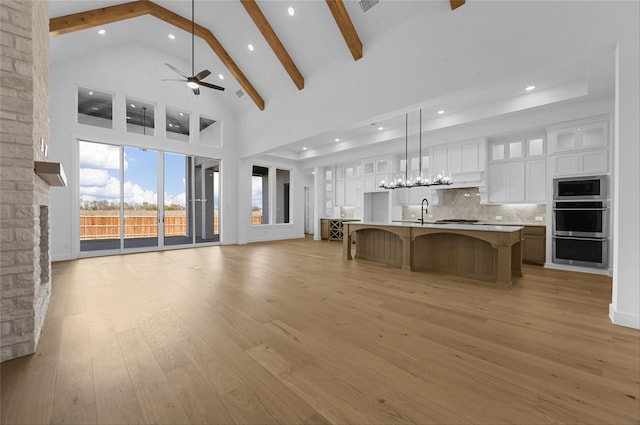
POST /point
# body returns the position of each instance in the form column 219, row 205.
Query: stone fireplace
column 25, row 266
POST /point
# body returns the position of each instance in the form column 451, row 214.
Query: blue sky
column 100, row 174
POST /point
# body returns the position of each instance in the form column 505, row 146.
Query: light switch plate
column 538, row 218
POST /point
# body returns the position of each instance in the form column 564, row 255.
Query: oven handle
column 581, row 239
column 580, row 209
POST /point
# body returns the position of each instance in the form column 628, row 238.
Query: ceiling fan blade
column 173, row 79
column 202, row 74
column 177, row 70
column 456, row 4
column 211, row 86
column 196, row 92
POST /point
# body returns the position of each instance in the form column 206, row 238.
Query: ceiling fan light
column 192, row 84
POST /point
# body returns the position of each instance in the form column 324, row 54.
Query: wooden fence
column 108, row 227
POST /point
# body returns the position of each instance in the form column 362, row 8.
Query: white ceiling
column 313, row 40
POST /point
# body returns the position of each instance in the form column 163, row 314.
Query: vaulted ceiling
column 311, row 30
column 289, row 51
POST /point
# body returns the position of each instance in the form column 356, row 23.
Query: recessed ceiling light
column 304, row 148
column 170, row 125
column 529, row 88
column 171, row 36
column 220, row 76
column 336, row 139
column 380, row 128
column 441, row 111
column 290, row 11
column 90, row 92
column 102, row 31
column 250, row 47
column 181, row 114
column 93, row 108
column 132, row 105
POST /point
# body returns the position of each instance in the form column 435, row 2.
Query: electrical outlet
column 498, row 217
column 538, row 218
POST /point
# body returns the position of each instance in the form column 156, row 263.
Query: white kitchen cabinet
column 498, row 185
column 507, row 182
column 579, row 163
column 536, row 181
column 350, row 192
column 470, row 158
column 459, row 159
column 339, row 201
column 577, row 137
column 440, row 162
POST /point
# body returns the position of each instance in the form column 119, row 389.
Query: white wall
column 136, row 71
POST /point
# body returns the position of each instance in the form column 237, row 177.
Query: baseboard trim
column 624, row 319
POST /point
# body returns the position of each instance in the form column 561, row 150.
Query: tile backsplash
column 465, row 204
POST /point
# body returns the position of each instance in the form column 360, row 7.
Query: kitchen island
column 479, row 251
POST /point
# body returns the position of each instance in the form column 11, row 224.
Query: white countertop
column 449, row 226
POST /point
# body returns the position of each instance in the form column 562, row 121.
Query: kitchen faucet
column 423, row 210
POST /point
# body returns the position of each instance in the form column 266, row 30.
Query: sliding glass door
column 178, row 228
column 140, row 195
column 99, row 183
column 142, row 199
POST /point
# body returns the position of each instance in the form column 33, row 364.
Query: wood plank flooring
column 288, row 333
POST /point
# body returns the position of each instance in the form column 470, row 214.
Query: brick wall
column 25, row 283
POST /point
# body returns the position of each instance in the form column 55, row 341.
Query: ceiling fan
column 195, row 81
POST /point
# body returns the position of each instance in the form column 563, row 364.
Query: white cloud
column 99, row 155
column 93, row 177
column 110, row 190
column 179, row 199
column 134, row 194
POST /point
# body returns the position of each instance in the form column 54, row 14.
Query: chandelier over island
column 420, row 180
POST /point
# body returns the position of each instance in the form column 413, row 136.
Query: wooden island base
column 483, row 252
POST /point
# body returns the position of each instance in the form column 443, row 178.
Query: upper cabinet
column 580, row 149
column 464, row 161
column 517, row 169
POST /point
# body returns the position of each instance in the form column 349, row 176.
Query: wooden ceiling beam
column 96, row 17
column 456, row 4
column 202, row 32
column 270, row 36
column 347, row 29
column 107, row 15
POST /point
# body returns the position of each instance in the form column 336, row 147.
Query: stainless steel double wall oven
column 581, row 221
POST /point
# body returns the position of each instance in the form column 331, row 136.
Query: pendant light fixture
column 420, row 180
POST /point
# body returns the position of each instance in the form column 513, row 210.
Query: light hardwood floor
column 288, row 332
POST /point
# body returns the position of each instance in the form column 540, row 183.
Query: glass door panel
column 140, row 208
column 206, row 183
column 99, row 182
column 178, row 223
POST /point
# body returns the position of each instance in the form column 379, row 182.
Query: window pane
column 99, row 181
column 206, row 172
column 140, row 117
column 95, row 108
column 177, row 211
column 177, row 125
column 260, row 195
column 140, row 197
column 282, row 196
column 209, row 132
